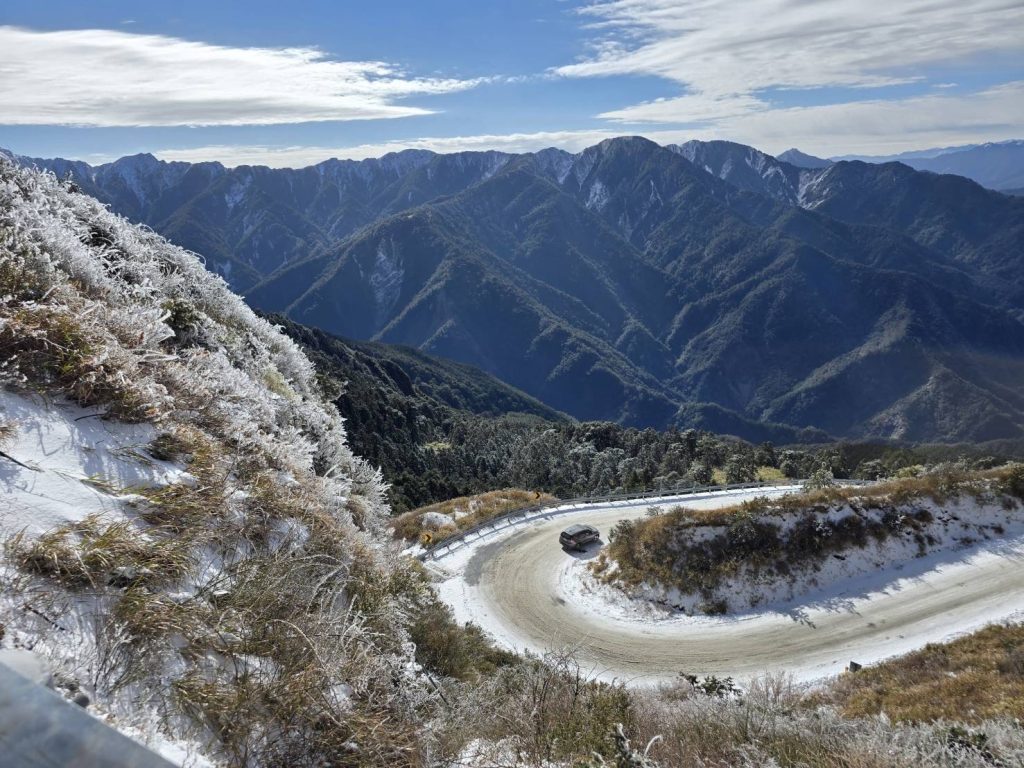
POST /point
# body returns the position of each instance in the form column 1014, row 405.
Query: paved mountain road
column 517, row 585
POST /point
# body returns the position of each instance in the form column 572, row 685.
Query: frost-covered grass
column 247, row 601
column 8, row 428
column 771, row 549
column 973, row 678
column 94, row 553
column 444, row 519
column 547, row 714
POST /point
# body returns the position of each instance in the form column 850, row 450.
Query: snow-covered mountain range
column 704, row 284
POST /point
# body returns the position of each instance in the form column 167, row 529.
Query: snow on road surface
column 530, row 595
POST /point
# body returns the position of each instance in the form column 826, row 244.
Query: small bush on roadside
column 1012, row 482
column 448, row 649
column 545, row 711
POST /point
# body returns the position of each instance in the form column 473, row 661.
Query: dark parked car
column 578, row 537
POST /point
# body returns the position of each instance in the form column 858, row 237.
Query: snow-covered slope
column 186, row 535
column 72, row 463
column 743, row 167
column 908, row 538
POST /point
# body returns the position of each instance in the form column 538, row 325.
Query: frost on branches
column 245, row 604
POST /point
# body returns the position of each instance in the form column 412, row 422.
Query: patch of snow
column 386, row 278
column 584, row 163
column 598, row 197
column 812, row 189
column 495, row 161
column 556, row 162
column 236, row 192
column 77, row 464
column 132, row 171
column 654, row 199
column 433, row 521
column 186, row 754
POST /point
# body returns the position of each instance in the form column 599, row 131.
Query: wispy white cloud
column 884, row 126
column 101, row 77
column 865, row 127
column 724, row 55
column 698, row 108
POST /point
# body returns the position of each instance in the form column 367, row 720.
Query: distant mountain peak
column 632, row 143
column 139, row 158
column 802, row 160
column 743, row 167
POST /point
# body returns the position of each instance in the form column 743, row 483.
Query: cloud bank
column 98, row 77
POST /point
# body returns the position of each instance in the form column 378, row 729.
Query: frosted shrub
column 277, row 605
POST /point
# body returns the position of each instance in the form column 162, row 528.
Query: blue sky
column 295, row 83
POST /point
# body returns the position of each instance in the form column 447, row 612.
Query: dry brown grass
column 54, row 349
column 532, row 714
column 939, row 486
column 473, row 510
column 770, row 475
column 971, row 679
column 8, row 429
column 93, row 553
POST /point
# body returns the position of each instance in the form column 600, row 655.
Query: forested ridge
column 440, row 429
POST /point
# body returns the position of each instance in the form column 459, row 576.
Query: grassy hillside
column 186, row 519
column 971, row 679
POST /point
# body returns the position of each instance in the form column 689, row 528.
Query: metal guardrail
column 522, row 514
column 39, row 729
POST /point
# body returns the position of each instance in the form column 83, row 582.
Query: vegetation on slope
column 770, row 540
column 440, row 430
column 971, row 679
column 237, row 603
column 436, row 522
column 543, row 712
